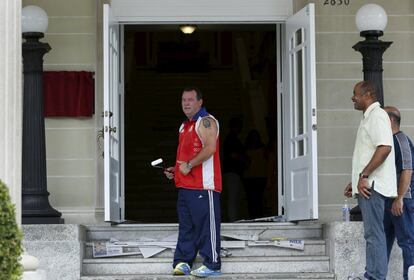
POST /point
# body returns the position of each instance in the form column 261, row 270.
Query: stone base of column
column 30, row 268
column 42, row 220
column 34, row 275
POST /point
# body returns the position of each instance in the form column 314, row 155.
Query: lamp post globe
column 34, row 19
column 371, row 17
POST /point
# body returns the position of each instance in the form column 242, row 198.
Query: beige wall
column 338, row 68
column 71, row 142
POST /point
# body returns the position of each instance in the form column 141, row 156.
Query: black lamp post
column 371, row 20
column 35, row 202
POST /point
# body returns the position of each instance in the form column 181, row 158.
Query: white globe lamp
column 371, row 19
column 34, row 19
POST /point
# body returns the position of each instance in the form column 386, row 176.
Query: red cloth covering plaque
column 68, row 93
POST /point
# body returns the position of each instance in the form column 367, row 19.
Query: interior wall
column 338, row 68
column 70, row 142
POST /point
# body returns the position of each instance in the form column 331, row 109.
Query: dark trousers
column 401, row 227
column 199, row 227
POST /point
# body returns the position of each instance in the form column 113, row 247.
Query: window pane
column 301, row 148
column 294, row 150
column 299, row 94
column 298, row 36
column 293, row 89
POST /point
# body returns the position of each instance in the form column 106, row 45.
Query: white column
column 11, row 112
column 11, row 99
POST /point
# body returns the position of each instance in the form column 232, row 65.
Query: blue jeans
column 401, row 227
column 372, row 210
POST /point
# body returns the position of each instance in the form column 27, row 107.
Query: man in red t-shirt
column 197, row 176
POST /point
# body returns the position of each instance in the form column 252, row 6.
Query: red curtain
column 68, row 93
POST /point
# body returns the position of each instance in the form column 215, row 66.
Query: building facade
column 74, row 162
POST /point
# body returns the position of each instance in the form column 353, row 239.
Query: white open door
column 113, row 156
column 299, row 117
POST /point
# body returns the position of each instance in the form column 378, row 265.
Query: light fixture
column 36, row 208
column 34, row 19
column 371, row 17
column 188, row 28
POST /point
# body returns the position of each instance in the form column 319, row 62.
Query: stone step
column 312, row 248
column 279, row 264
column 273, row 276
column 156, row 231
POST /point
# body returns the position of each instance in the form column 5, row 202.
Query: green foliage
column 10, row 238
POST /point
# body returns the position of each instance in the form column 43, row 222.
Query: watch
column 363, row 176
column 189, row 165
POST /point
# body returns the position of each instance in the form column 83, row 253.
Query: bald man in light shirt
column 373, row 175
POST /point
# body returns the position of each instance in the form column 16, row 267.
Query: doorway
column 297, row 140
column 235, row 68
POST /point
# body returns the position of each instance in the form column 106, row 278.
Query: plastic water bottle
column 345, row 211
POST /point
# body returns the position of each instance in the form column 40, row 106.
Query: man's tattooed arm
column 206, row 123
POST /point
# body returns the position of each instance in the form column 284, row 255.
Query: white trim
column 81, row 215
column 180, row 11
column 279, row 110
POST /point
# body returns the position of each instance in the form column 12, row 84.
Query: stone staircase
column 244, row 263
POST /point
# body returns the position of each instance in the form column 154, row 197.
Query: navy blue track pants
column 199, row 227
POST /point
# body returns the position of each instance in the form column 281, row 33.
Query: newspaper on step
column 295, row 244
column 109, row 249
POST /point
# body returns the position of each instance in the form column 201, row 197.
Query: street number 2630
column 336, row 2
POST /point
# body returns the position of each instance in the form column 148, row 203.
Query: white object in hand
column 156, row 162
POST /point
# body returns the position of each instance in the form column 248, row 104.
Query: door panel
column 114, row 198
column 299, row 134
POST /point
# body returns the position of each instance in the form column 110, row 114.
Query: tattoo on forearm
column 206, row 123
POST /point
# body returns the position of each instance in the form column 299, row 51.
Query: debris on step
column 149, row 247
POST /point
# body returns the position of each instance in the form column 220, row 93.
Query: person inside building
column 399, row 211
column 234, row 164
column 255, row 175
column 373, row 175
column 197, row 176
